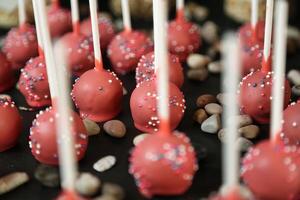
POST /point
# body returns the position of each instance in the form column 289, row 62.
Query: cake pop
column 79, row 48
column 106, row 28
column 163, row 163
column 127, row 47
column 145, row 69
column 97, row 93
column 7, row 79
column 183, row 36
column 10, row 123
column 290, row 127
column 59, row 19
column 143, row 106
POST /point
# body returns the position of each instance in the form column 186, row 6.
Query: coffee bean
column 47, row 175
column 205, row 99
column 12, row 181
column 250, row 131
column 113, row 190
column 244, row 144
column 215, row 67
column 209, row 32
column 87, row 184
column 296, row 90
column 197, row 74
column 105, row 163
column 115, row 128
column 92, row 127
column 213, row 108
column 211, row 124
column 294, row 76
column 137, row 139
column 196, row 61
column 200, row 115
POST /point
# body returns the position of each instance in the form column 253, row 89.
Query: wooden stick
column 96, row 35
column 268, row 36
column 126, row 15
column 230, row 80
column 38, row 28
column 75, row 16
column 162, row 64
column 281, row 20
column 254, row 15
column 180, row 9
column 22, row 12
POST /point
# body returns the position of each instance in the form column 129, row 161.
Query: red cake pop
column 271, row 171
column 98, row 95
column 171, row 157
column 246, row 32
column 106, row 28
column 20, row 44
column 143, row 106
column 43, row 141
column 145, row 69
column 10, row 123
column 126, row 49
column 290, row 127
column 255, row 95
column 7, row 79
column 33, row 83
column 66, row 195
column 59, row 19
column 240, row 193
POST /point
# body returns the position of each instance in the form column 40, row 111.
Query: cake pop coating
column 183, row 38
column 33, row 83
column 10, row 123
column 271, row 171
column 291, row 124
column 126, row 48
column 246, row 32
column 59, row 20
column 43, row 142
column 255, row 95
column 98, row 95
column 143, row 105
column 80, row 55
column 163, row 165
column 20, row 44
column 106, row 29
column 145, row 69
column 7, row 78
column 66, row 195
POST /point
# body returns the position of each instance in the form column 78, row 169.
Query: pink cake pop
column 270, row 169
column 59, row 19
column 10, row 123
column 164, row 163
column 79, row 48
column 106, row 28
column 97, row 93
column 43, row 139
column 7, row 78
column 255, row 88
column 183, row 36
column 127, row 47
column 20, row 43
column 33, row 81
column 145, row 69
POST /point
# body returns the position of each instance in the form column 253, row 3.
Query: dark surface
column 207, row 179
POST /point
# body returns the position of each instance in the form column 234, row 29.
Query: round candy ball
column 126, row 48
column 98, row 95
column 10, row 123
column 59, row 20
column 183, row 38
column 43, row 140
column 106, row 29
column 163, row 165
column 255, row 95
column 291, row 124
column 143, row 105
column 246, row 32
column 20, row 45
column 271, row 171
column 145, row 69
column 7, row 78
column 33, row 83
column 80, row 55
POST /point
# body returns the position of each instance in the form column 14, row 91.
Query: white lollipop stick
column 95, row 32
column 75, row 15
column 49, row 57
column 230, row 80
column 66, row 150
column 180, row 8
column 37, row 27
column 161, row 62
column 281, row 18
column 254, row 13
column 126, row 15
column 268, row 32
column 22, row 12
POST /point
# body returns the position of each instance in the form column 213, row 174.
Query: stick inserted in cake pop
column 38, row 28
column 126, row 15
column 280, row 40
column 254, row 16
column 266, row 63
column 180, row 9
column 22, row 12
column 75, row 16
